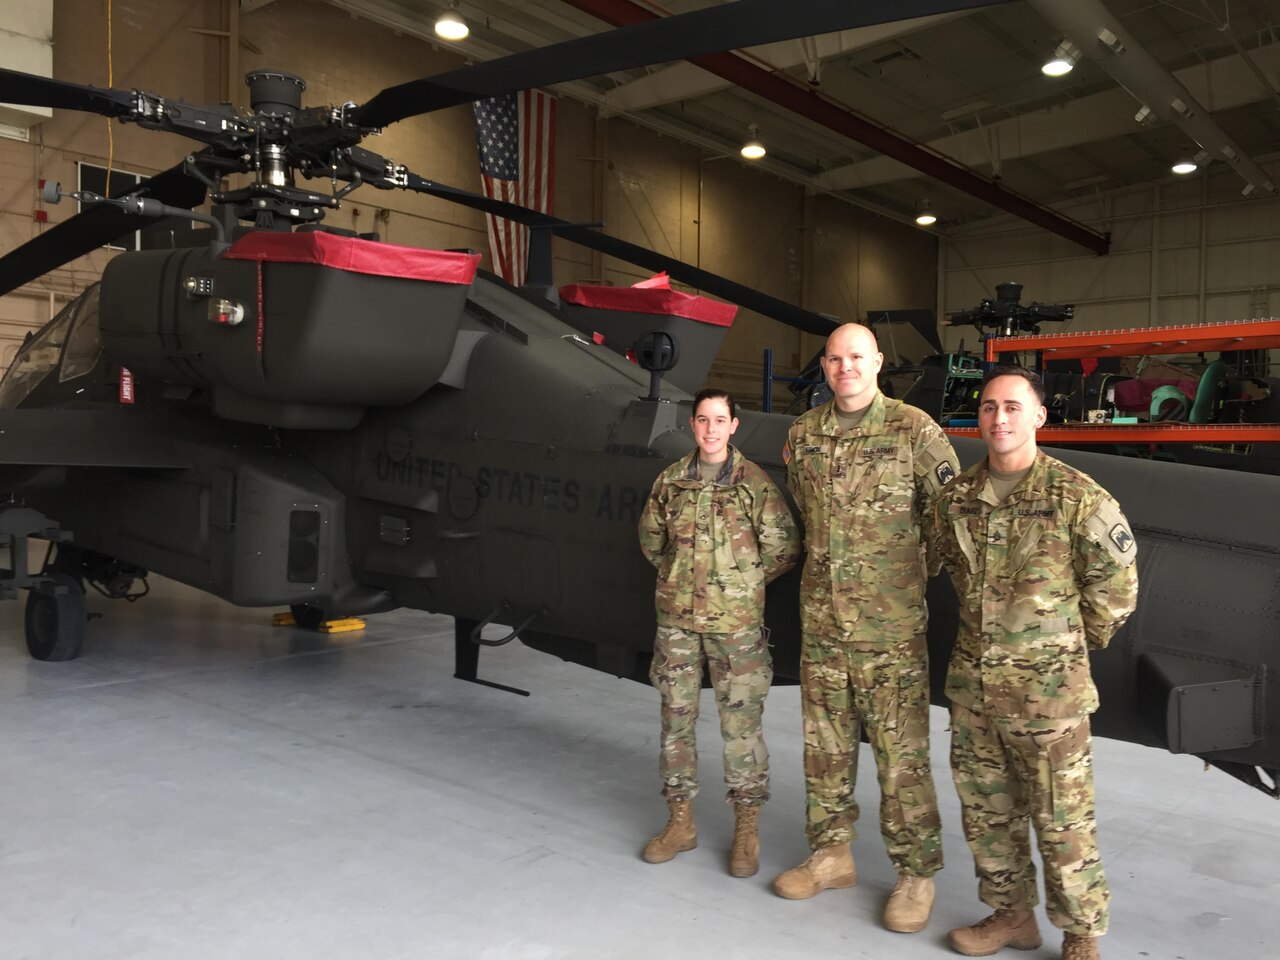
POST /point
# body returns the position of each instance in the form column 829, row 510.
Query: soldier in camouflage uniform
column 864, row 471
column 718, row 531
column 1043, row 563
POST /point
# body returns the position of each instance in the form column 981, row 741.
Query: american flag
column 515, row 135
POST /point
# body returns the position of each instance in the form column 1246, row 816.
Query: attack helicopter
column 211, row 414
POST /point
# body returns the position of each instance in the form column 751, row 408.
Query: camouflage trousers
column 741, row 671
column 1013, row 773
column 848, row 687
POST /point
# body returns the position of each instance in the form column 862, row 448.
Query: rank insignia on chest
column 944, row 473
column 1121, row 537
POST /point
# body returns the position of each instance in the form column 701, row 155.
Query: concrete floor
column 201, row 784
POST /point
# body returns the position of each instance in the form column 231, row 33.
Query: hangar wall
column 714, row 212
column 1190, row 250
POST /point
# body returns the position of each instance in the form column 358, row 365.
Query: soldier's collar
column 1032, row 481
column 693, row 473
column 872, row 421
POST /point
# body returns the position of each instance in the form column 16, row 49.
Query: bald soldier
column 864, row 471
column 1043, row 563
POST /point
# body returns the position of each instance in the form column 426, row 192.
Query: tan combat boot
column 910, row 903
column 828, row 868
column 744, row 858
column 1078, row 947
column 677, row 836
column 1004, row 928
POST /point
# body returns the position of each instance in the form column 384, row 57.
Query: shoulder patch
column 786, row 451
column 934, row 460
column 1107, row 527
column 1121, row 537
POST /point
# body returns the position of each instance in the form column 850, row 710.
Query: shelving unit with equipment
column 1143, row 341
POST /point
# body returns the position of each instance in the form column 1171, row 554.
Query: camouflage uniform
column 715, row 545
column 1043, row 577
column 864, row 664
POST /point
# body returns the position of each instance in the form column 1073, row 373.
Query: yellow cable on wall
column 111, row 143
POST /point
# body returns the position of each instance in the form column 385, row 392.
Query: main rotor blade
column 744, row 296
column 730, row 26
column 33, row 91
column 94, row 227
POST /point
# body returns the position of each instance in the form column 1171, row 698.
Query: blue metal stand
column 766, row 400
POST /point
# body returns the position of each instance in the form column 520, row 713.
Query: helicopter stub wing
column 67, row 437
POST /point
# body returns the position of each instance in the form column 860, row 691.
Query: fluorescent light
column 451, row 26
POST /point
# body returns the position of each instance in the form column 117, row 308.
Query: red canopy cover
column 673, row 303
column 356, row 255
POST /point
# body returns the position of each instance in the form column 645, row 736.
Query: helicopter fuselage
column 509, row 489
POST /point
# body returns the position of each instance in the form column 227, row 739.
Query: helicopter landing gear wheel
column 55, row 621
column 307, row 616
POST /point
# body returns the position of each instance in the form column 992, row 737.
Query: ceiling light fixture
column 451, row 26
column 1111, row 41
column 925, row 215
column 1063, row 60
column 753, row 149
column 1183, row 167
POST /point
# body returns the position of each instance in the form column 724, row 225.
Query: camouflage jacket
column 1042, row 578
column 862, row 497
column 716, row 544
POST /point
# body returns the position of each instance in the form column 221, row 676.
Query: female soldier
column 718, row 530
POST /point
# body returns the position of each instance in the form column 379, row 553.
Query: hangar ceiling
column 963, row 85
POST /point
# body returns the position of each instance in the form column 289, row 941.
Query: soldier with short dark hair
column 864, row 471
column 718, row 531
column 1043, row 564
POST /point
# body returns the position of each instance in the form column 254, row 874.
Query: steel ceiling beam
column 812, row 105
column 1099, row 116
column 806, row 102
column 1098, row 33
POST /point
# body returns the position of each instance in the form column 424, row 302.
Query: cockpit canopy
column 70, row 343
